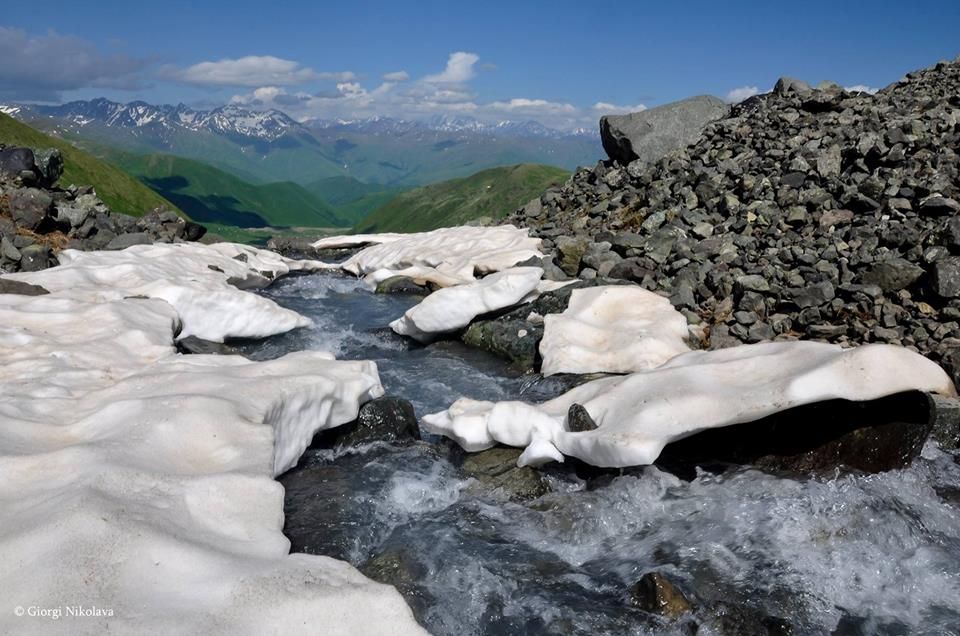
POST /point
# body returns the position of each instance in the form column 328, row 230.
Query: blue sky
column 561, row 62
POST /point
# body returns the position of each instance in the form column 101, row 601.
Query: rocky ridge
column 38, row 218
column 805, row 213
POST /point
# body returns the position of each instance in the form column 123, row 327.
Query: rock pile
column 37, row 218
column 813, row 213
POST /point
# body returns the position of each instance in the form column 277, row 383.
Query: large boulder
column 50, row 166
column 650, row 134
column 16, row 161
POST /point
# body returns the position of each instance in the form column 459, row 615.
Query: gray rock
column 19, row 287
column 34, row 258
column 786, row 85
column 939, row 206
column 14, row 161
column 29, row 206
column 50, row 166
column 124, row 241
column 650, row 134
column 8, row 250
column 946, row 277
column 498, row 475
column 401, row 285
column 892, row 274
column 579, row 420
column 74, row 216
column 814, row 295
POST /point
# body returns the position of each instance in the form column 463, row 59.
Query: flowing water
column 755, row 553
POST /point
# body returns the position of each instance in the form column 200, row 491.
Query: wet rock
column 656, row 594
column 513, row 340
column 385, row 419
column 403, row 570
column 17, row 287
column 195, row 345
column 874, row 436
column 498, row 475
column 945, row 428
column 401, row 285
column 579, row 420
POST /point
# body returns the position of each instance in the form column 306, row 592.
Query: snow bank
column 453, row 308
column 638, row 414
column 354, row 240
column 202, row 282
column 449, row 255
column 138, row 483
column 613, row 329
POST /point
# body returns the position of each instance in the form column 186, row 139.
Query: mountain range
column 267, row 146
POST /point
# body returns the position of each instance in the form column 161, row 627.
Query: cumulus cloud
column 396, row 76
column 605, row 108
column 524, row 105
column 861, row 88
column 459, row 69
column 253, row 70
column 737, row 95
column 41, row 68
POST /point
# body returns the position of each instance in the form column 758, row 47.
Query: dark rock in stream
column 874, row 436
column 401, row 569
column 194, row 345
column 401, row 285
column 385, row 419
column 497, row 474
column 655, row 593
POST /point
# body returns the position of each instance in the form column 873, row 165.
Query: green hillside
column 210, row 195
column 352, row 199
column 493, row 193
column 116, row 188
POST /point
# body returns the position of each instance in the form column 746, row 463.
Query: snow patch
column 453, row 308
column 638, row 414
column 141, row 481
column 612, row 329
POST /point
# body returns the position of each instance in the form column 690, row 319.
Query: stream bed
column 754, row 553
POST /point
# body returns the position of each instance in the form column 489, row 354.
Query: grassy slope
column 214, row 196
column 352, row 199
column 119, row 190
column 493, row 193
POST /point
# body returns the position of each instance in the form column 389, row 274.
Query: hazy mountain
column 262, row 146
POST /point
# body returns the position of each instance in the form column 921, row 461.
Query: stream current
column 753, row 552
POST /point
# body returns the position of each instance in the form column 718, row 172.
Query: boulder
column 385, row 419
column 29, row 206
column 873, row 436
column 892, row 274
column 15, row 161
column 50, row 166
column 36, row 257
column 498, row 475
column 650, row 134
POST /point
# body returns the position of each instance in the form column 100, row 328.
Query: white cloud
column 605, row 108
column 520, row 104
column 396, row 76
column 459, row 69
column 737, row 95
column 253, row 70
column 861, row 88
column 42, row 67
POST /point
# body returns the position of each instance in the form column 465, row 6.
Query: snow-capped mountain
column 230, row 120
column 269, row 145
